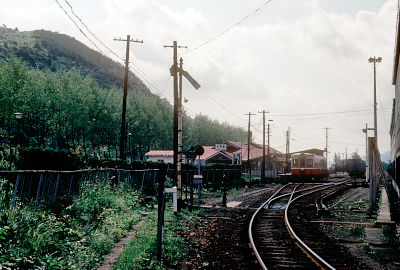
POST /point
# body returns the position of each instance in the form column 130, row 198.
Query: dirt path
column 111, row 258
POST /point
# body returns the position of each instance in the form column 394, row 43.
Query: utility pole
column 180, row 154
column 174, row 72
column 122, row 142
column 263, row 159
column 268, row 142
column 248, row 145
column 177, row 119
column 326, row 146
column 287, row 149
column 375, row 60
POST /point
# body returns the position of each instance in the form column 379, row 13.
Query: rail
column 275, row 197
column 304, row 246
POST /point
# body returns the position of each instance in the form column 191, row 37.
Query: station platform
column 374, row 235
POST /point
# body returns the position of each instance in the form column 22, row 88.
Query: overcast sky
column 304, row 61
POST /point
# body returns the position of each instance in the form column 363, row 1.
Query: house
column 230, row 152
column 164, row 156
column 274, row 161
column 213, row 154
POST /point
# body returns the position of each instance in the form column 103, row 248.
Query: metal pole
column 263, row 159
column 375, row 114
column 268, row 150
column 179, row 137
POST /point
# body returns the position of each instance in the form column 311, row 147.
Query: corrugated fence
column 49, row 187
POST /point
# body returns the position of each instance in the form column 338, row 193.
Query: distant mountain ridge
column 50, row 50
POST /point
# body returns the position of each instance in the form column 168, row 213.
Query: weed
column 75, row 237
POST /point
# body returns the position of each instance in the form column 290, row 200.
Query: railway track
column 281, row 238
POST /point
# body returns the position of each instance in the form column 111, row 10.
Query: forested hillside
column 70, row 101
column 49, row 50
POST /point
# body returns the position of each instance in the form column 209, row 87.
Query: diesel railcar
column 308, row 166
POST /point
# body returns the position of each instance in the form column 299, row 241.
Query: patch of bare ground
column 112, row 257
column 245, row 198
column 350, row 210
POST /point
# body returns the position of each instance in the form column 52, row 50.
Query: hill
column 43, row 50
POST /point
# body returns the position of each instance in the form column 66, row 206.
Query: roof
column 256, row 151
column 160, row 153
column 312, row 151
column 210, row 151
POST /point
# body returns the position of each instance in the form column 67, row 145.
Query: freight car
column 356, row 168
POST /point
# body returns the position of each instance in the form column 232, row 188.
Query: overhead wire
column 224, row 17
column 138, row 72
column 77, row 26
column 264, row 5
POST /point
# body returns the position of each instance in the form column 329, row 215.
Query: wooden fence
column 49, row 187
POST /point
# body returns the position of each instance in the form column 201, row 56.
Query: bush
column 75, row 237
column 47, row 159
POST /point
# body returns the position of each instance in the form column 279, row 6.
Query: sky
column 303, row 61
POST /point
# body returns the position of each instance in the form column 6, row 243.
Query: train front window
column 295, row 162
column 309, row 163
column 302, row 162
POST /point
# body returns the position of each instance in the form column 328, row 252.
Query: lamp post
column 375, row 60
column 18, row 117
column 129, row 147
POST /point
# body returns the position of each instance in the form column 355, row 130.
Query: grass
column 140, row 253
column 68, row 237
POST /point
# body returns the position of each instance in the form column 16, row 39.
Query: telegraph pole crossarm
column 124, row 132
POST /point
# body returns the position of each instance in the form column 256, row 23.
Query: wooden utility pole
column 287, row 150
column 248, row 145
column 122, row 144
column 175, row 69
column 263, row 159
column 326, row 146
column 269, row 132
column 177, row 119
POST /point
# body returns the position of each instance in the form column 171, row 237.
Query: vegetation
column 141, row 252
column 73, row 237
column 66, row 110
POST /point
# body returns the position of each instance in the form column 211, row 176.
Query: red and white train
column 308, row 166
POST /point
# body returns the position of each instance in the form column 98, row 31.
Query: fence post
column 56, row 189
column 15, row 190
column 161, row 208
column 39, row 189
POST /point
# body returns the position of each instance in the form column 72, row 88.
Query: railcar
column 308, row 167
column 356, row 168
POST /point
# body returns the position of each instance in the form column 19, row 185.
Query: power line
column 324, row 113
column 222, row 106
column 230, row 28
column 138, row 73
column 62, row 8
column 221, row 19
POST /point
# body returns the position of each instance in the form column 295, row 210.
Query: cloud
column 295, row 57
